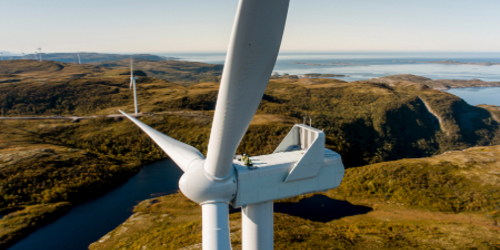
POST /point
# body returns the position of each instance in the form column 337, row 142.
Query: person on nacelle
column 246, row 160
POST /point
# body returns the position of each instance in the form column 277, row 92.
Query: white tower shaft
column 135, row 99
column 257, row 226
column 215, row 223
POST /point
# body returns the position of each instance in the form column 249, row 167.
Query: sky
column 157, row 26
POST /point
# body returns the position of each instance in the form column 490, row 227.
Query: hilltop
column 450, row 201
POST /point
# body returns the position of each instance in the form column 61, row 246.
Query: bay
column 478, row 95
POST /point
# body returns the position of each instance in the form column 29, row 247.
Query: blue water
column 363, row 66
column 479, row 95
column 88, row 222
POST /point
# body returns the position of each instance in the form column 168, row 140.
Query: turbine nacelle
column 299, row 165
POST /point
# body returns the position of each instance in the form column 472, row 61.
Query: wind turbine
column 1, row 56
column 133, row 83
column 299, row 165
column 78, row 54
column 40, row 53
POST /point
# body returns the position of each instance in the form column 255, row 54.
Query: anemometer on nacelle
column 299, row 165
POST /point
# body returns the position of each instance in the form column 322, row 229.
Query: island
column 464, row 63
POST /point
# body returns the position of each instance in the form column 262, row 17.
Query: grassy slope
column 449, row 201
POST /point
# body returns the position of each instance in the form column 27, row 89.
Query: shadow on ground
column 319, row 208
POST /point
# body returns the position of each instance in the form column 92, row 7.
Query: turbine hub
column 201, row 188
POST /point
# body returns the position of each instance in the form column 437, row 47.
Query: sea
column 355, row 66
column 365, row 65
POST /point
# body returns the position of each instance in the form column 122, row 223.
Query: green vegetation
column 460, row 181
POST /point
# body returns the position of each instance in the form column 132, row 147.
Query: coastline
column 464, row 87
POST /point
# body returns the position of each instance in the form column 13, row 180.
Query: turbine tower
column 78, row 54
column 40, row 53
column 133, row 83
column 1, row 56
column 300, row 164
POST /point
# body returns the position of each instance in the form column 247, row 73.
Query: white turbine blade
column 182, row 154
column 253, row 49
column 215, row 226
column 131, row 82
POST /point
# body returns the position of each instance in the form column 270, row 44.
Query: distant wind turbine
column 78, row 54
column 1, row 56
column 40, row 52
column 133, row 83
